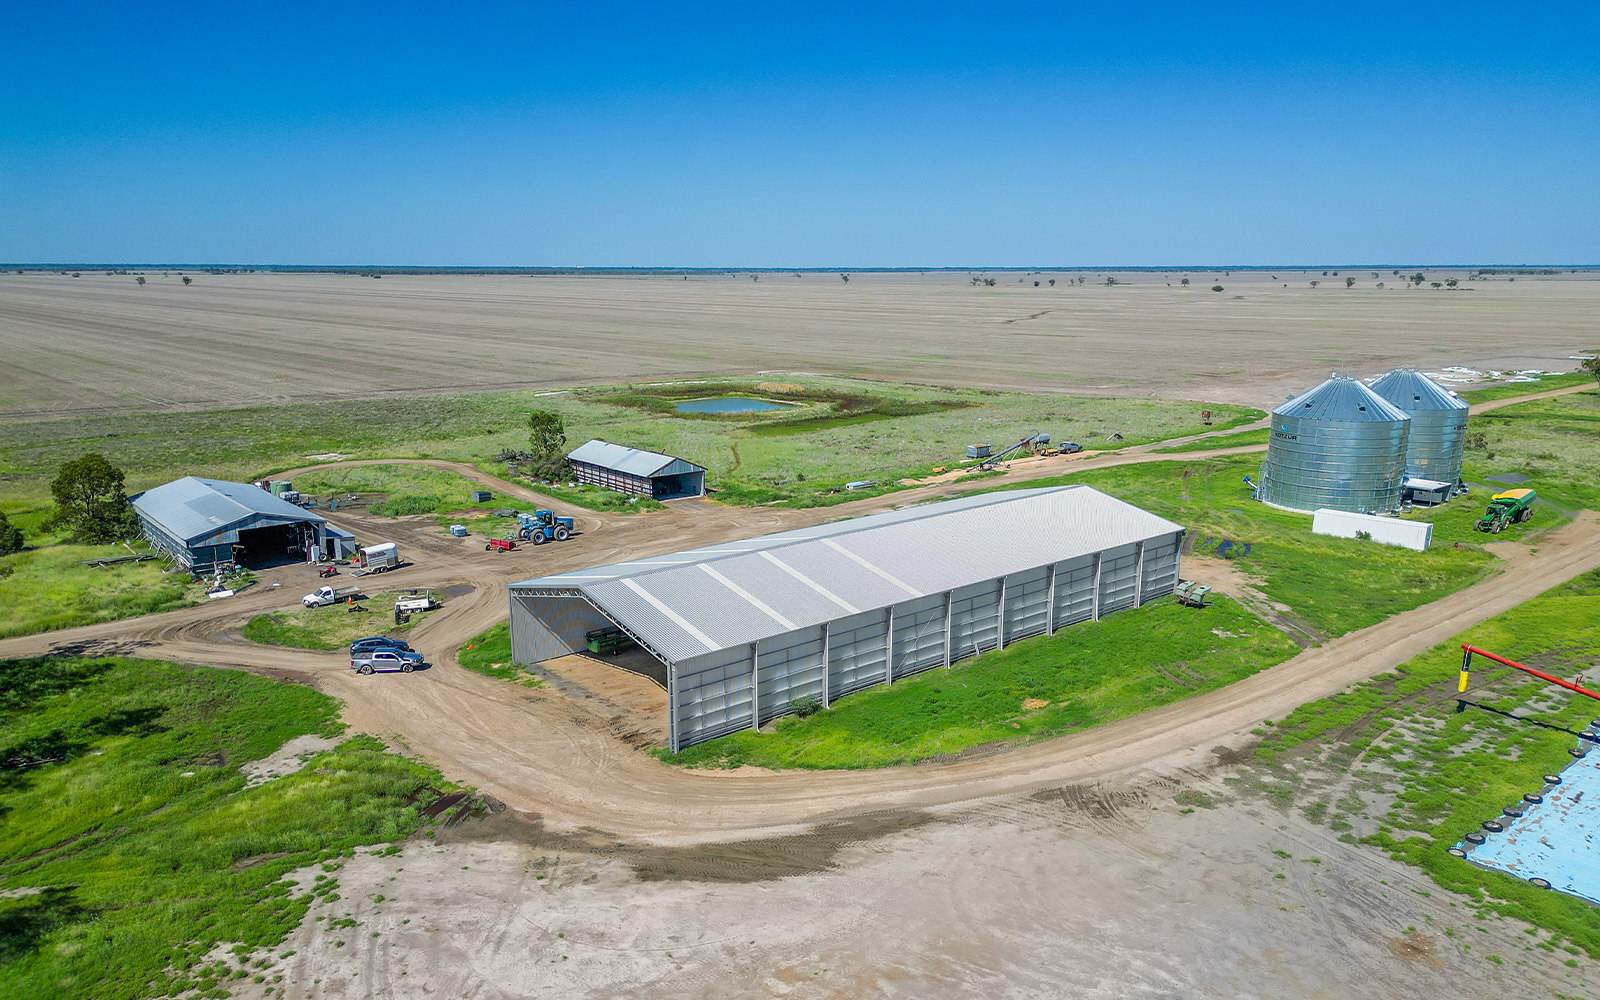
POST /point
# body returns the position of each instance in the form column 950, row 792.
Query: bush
column 805, row 706
column 10, row 537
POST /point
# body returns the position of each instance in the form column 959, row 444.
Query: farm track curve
column 554, row 760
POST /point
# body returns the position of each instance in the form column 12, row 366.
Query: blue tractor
column 544, row 526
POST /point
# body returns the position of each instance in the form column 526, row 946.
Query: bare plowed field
column 103, row 342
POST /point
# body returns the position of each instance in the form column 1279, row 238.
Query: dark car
column 385, row 659
column 1071, row 448
column 372, row 642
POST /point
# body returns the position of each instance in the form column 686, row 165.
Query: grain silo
column 1340, row 446
column 1438, row 432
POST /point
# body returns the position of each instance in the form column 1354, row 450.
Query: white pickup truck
column 324, row 596
column 413, row 603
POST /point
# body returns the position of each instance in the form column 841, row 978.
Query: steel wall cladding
column 746, row 628
column 1339, row 446
column 1437, row 439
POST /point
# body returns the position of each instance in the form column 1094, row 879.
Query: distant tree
column 1349, row 282
column 1394, row 274
column 1452, row 282
column 1324, row 274
column 1052, row 282
column 547, row 434
column 1437, row 284
column 1418, row 278
column 1111, row 280
column 187, row 279
column 90, row 501
column 1184, row 282
column 1036, row 284
column 1216, row 288
column 140, row 279
column 1080, row 279
column 1380, row 284
column 1592, row 365
column 1315, row 283
column 1374, row 274
column 10, row 537
column 844, row 278
column 755, row 277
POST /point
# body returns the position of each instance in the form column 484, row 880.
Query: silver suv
column 385, row 659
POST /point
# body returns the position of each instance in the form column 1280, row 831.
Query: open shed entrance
column 687, row 484
column 273, row 545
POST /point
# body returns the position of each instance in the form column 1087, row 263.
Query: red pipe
column 1470, row 649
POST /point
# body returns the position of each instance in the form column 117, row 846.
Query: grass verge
column 130, row 844
column 45, row 588
column 1392, row 764
column 1085, row 675
column 334, row 627
column 489, row 653
column 1235, row 440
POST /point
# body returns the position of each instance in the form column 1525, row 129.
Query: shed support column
column 826, row 634
column 1138, row 579
column 1097, row 560
column 1000, row 618
column 672, row 709
column 755, row 690
column 1050, row 607
column 949, row 636
column 888, row 650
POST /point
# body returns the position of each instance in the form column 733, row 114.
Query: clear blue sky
column 800, row 135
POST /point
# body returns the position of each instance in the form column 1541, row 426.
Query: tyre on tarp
column 1552, row 779
column 1493, row 825
column 1474, row 838
column 1533, row 798
column 1456, row 852
column 1538, row 883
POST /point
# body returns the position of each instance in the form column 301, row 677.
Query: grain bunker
column 1438, row 434
column 1340, row 446
column 747, row 628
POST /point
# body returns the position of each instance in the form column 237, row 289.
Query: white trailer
column 1386, row 530
column 377, row 558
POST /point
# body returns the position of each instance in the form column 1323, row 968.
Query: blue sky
column 805, row 135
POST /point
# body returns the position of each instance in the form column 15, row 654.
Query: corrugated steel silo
column 1340, row 446
column 1438, row 432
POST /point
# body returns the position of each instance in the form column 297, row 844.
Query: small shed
column 202, row 523
column 630, row 470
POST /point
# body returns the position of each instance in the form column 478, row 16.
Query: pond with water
column 731, row 404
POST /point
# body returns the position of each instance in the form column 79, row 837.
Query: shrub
column 805, row 706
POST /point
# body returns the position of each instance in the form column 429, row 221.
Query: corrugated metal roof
column 629, row 460
column 1412, row 390
column 1343, row 400
column 192, row 508
column 689, row 603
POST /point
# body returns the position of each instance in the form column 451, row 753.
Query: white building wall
column 1416, row 535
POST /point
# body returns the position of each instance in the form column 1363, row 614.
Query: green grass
column 1235, row 440
column 489, row 653
column 332, row 627
column 1334, row 585
column 1399, row 735
column 1089, row 674
column 1542, row 384
column 44, row 588
column 124, row 803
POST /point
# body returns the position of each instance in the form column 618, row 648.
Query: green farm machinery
column 1510, row 507
column 607, row 641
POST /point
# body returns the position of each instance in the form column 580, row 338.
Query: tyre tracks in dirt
column 559, row 764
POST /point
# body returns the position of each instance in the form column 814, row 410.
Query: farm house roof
column 630, row 460
column 721, row 596
column 193, row 508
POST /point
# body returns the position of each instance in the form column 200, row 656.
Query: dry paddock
column 103, row 342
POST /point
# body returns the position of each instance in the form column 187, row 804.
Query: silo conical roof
column 1344, row 400
column 1412, row 391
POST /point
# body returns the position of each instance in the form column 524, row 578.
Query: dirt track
column 548, row 757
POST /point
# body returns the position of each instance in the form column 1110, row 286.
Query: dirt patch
column 1029, row 704
column 1416, row 947
column 287, row 759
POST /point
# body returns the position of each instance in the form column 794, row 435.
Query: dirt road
column 546, row 756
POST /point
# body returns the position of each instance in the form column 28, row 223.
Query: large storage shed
column 1340, row 446
column 1438, row 435
column 747, row 627
column 204, row 522
column 629, row 470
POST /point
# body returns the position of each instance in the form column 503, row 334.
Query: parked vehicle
column 1070, row 448
column 544, row 526
column 385, row 659
column 377, row 558
column 607, row 641
column 499, row 545
column 324, row 596
column 414, row 602
column 1510, row 507
column 372, row 642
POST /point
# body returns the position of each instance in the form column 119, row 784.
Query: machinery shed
column 629, row 470
column 202, row 523
column 745, row 628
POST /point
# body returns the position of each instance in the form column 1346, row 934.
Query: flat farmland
column 101, row 343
